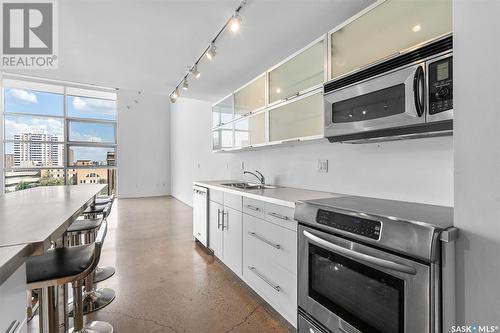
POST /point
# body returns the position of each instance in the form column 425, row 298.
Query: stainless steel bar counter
column 31, row 219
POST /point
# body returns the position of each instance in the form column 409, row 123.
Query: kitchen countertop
column 32, row 218
column 284, row 196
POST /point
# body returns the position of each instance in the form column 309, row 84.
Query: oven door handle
column 360, row 256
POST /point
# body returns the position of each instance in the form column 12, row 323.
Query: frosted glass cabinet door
column 250, row 98
column 250, row 130
column 222, row 137
column 301, row 118
column 223, row 112
column 298, row 74
column 392, row 26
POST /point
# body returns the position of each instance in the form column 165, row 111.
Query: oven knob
column 442, row 92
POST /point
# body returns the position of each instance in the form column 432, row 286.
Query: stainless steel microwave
column 408, row 96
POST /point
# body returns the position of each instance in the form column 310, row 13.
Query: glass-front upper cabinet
column 298, row 74
column 251, row 97
column 223, row 111
column 299, row 118
column 250, row 131
column 390, row 27
column 223, row 137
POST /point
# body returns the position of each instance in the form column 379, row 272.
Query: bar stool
column 94, row 299
column 102, row 272
column 104, row 199
column 68, row 265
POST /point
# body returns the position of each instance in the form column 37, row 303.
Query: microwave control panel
column 352, row 224
column 441, row 85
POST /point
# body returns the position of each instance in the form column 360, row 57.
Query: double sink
column 249, row 186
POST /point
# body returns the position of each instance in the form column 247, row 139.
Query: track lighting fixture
column 234, row 25
column 211, row 51
column 194, row 72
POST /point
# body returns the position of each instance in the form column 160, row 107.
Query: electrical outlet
column 323, row 166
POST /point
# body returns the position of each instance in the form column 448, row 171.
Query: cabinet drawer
column 274, row 284
column 267, row 240
column 233, row 201
column 281, row 215
column 253, row 207
column 216, row 196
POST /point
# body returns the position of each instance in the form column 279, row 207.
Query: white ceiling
column 147, row 45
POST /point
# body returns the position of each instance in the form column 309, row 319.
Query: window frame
column 68, row 89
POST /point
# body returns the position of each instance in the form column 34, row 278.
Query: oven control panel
column 352, row 224
column 441, row 85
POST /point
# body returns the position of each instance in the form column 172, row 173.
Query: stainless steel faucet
column 260, row 177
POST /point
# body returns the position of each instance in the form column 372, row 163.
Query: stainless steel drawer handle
column 279, row 216
column 219, row 223
column 13, row 326
column 268, row 242
column 257, row 209
column 266, row 280
column 360, row 256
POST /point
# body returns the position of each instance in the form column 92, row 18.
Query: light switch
column 323, row 166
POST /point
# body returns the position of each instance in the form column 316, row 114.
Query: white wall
column 477, row 160
column 2, row 176
column 191, row 156
column 415, row 170
column 143, row 144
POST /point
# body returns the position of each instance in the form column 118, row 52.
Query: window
column 58, row 134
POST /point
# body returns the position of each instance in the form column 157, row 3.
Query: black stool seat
column 97, row 209
column 81, row 225
column 104, row 199
column 59, row 263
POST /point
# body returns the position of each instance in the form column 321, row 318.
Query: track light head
column 194, row 72
column 211, row 52
column 235, row 23
column 174, row 95
column 185, row 84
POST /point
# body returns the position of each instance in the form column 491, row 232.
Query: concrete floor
column 165, row 283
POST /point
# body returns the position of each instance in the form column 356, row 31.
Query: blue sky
column 41, row 104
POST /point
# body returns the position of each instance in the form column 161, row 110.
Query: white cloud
column 102, row 105
column 20, row 125
column 23, row 95
column 76, row 136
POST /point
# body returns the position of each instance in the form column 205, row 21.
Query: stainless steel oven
column 413, row 91
column 362, row 269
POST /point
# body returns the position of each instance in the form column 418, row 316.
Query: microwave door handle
column 360, row 256
column 418, row 86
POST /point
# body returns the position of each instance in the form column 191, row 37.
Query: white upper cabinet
column 250, row 130
column 223, row 137
column 251, row 97
column 300, row 118
column 298, row 74
column 386, row 29
column 223, row 111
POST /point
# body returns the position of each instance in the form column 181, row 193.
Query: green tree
column 50, row 181
column 22, row 186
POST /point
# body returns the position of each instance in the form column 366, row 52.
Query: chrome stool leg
column 90, row 327
column 94, row 299
column 103, row 273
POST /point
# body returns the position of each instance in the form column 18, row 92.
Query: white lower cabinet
column 215, row 228
column 258, row 242
column 13, row 300
column 225, row 232
column 232, row 224
column 270, row 264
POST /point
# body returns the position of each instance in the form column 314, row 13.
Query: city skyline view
column 38, row 110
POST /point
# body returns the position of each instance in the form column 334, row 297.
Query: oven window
column 378, row 104
column 368, row 299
